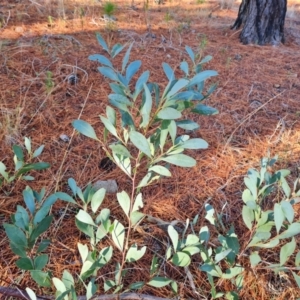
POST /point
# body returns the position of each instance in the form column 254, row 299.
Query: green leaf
column 138, row 203
column 288, row 210
column 101, row 59
column 84, row 217
column 160, row 170
column 108, row 284
column 270, row 244
column 18, row 152
column 100, row 233
column 140, row 142
column 109, row 126
column 285, row 187
column 195, row 144
column 28, row 177
column 164, row 129
column 248, row 216
column 109, row 73
column 297, row 278
column 102, row 42
column 190, row 53
column 211, row 269
column 73, row 186
column 174, row 236
column 159, row 282
column 123, row 163
column 43, row 245
column 180, row 84
column 41, row 228
column 22, row 218
column 120, row 99
column 68, row 279
column 191, row 240
column 105, row 255
column 206, row 59
column 135, row 217
column 184, row 67
column 97, row 199
column 20, row 251
column 180, row 160
column 254, row 259
column 181, row 139
column 87, row 270
column 293, row 230
column 204, row 234
column 41, row 278
column 132, row 68
column 41, row 214
column 38, row 151
column 181, row 259
column 204, row 110
column 34, row 166
column 169, row 113
column 118, row 235
column 210, row 212
column 60, row 286
column 140, row 84
column 2, row 170
column 279, row 216
column 168, row 71
column 146, row 108
column 222, row 255
column 120, row 150
column 201, row 77
column 126, row 58
column 104, row 218
column 91, row 289
column 154, row 265
column 27, row 143
column 247, row 196
column 232, row 296
column 168, row 252
column 118, row 89
column 83, row 251
column 134, row 254
column 40, row 261
column 111, row 115
column 85, row 228
column 251, row 184
column 25, row 263
column 172, row 128
column 65, row 197
column 15, row 235
column 137, row 285
column 124, row 202
column 286, row 251
column 31, row 294
column 191, row 250
column 85, row 128
column 187, row 124
column 127, row 119
column 116, row 49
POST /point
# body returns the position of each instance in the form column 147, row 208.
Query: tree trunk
column 263, row 21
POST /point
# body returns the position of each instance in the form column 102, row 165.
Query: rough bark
column 262, row 20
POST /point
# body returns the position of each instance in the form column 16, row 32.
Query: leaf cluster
column 22, row 167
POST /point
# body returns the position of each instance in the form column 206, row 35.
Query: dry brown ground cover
column 258, row 98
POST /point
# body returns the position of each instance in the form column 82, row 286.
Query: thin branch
column 21, row 294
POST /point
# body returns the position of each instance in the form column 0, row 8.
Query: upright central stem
column 129, row 219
